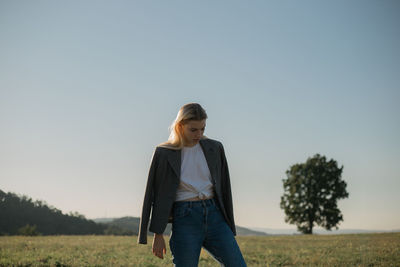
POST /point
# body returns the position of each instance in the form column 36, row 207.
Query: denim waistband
column 206, row 202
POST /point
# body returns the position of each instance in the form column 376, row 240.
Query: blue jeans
column 198, row 224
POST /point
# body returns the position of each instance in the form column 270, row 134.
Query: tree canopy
column 311, row 192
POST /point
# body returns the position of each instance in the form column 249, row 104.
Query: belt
column 195, row 199
column 206, row 202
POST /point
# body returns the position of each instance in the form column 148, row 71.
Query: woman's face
column 192, row 131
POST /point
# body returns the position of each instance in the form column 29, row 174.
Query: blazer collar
column 210, row 154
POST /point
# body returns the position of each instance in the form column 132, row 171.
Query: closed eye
column 193, row 130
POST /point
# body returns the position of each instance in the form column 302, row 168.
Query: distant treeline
column 19, row 215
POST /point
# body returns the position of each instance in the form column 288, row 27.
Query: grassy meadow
column 299, row 250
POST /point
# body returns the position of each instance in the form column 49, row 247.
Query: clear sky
column 89, row 88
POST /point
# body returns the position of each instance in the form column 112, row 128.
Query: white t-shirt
column 195, row 175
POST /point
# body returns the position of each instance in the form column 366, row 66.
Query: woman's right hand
column 159, row 246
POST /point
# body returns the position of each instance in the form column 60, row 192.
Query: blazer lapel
column 210, row 153
column 211, row 157
column 174, row 159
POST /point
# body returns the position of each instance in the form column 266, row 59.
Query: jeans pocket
column 180, row 212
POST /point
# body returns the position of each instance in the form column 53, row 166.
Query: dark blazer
column 163, row 181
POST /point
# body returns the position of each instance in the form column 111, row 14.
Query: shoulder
column 212, row 142
column 163, row 150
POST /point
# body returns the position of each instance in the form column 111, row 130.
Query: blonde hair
column 190, row 111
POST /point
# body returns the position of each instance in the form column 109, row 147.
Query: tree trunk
column 310, row 223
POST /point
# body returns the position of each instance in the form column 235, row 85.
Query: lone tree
column 311, row 192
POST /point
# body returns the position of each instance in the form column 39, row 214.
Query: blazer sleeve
column 226, row 190
column 148, row 200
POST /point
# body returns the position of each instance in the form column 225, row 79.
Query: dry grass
column 319, row 250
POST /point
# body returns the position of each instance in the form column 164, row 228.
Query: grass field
column 318, row 250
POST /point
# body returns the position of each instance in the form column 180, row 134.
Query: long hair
column 190, row 111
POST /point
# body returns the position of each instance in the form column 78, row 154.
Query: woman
column 189, row 186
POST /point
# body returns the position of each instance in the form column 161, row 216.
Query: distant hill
column 22, row 216
column 247, row 231
column 103, row 220
column 132, row 224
